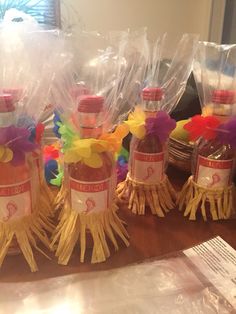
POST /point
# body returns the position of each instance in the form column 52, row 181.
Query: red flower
column 212, row 125
column 39, row 133
column 50, row 152
column 202, row 127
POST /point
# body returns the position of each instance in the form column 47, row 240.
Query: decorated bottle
column 222, row 106
column 37, row 132
column 91, row 189
column 15, row 180
column 213, row 162
column 148, row 155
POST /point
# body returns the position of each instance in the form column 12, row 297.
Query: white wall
column 172, row 16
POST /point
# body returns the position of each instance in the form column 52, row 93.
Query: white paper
column 216, row 259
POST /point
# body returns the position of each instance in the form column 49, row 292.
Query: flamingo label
column 89, row 197
column 148, row 168
column 15, row 201
column 214, row 173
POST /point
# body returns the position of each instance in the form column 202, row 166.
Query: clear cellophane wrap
column 25, row 76
column 93, row 94
column 209, row 192
column 165, row 80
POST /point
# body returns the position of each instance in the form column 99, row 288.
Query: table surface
column 150, row 237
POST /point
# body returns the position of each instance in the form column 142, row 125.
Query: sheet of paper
column 216, row 259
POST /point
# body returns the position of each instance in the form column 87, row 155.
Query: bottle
column 91, row 189
column 15, row 181
column 213, row 162
column 16, row 93
column 37, row 171
column 148, row 155
column 223, row 104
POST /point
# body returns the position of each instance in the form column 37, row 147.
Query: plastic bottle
column 148, row 155
column 15, row 181
column 91, row 189
column 213, row 163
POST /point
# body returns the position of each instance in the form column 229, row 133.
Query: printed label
column 88, row 197
column 216, row 259
column 148, row 168
column 15, row 201
column 214, row 173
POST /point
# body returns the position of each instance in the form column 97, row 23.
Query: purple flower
column 122, row 169
column 227, row 133
column 17, row 139
column 161, row 125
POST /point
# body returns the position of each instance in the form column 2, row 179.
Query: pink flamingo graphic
column 215, row 179
column 90, row 204
column 150, row 172
column 11, row 210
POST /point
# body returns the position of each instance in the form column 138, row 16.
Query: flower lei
column 53, row 170
column 15, row 142
column 160, row 125
column 88, row 151
column 210, row 127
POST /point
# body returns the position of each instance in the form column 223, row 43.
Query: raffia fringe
column 60, row 200
column 28, row 231
column 194, row 197
column 159, row 197
column 48, row 198
column 73, row 227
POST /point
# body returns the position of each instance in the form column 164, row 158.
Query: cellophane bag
column 93, row 98
column 209, row 191
column 150, row 124
column 180, row 283
column 24, row 81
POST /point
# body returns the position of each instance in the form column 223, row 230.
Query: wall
column 229, row 30
column 172, row 16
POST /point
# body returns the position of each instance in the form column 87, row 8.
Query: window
column 46, row 12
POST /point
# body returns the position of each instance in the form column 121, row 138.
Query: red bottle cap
column 6, row 103
column 16, row 93
column 91, row 104
column 152, row 93
column 220, row 96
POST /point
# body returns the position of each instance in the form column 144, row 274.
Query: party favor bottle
column 15, row 180
column 148, row 155
column 147, row 185
column 90, row 188
column 24, row 207
column 92, row 129
column 213, row 162
column 208, row 193
column 90, row 197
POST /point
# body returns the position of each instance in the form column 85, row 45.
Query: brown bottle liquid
column 147, row 155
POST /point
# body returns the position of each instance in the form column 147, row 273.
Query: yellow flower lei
column 136, row 123
column 6, row 154
column 88, row 150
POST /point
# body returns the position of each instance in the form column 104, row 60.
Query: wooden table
column 149, row 237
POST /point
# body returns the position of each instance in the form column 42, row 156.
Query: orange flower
column 115, row 139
